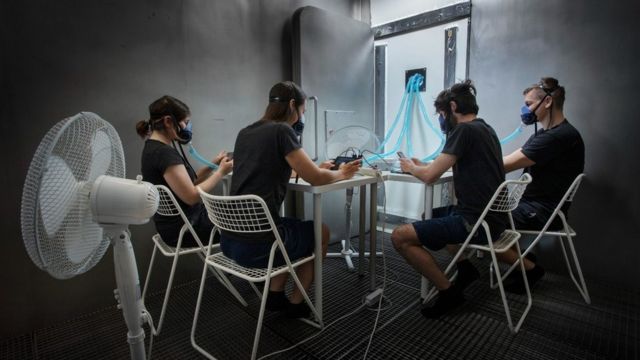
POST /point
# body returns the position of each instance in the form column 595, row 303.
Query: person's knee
column 401, row 237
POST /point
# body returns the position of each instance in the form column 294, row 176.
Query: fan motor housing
column 123, row 201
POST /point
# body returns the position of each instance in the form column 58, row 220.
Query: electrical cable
column 312, row 336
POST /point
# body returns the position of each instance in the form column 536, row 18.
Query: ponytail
column 143, row 128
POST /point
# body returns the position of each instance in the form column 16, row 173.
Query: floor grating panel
column 560, row 324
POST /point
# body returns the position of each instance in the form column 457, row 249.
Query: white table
column 317, row 191
column 428, row 203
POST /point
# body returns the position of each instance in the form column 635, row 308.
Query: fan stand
column 128, row 292
column 347, row 251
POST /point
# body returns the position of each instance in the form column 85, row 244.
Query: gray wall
column 592, row 48
column 114, row 58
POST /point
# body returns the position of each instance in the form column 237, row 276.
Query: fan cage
column 89, row 146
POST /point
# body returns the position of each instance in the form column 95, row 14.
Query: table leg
column 362, row 222
column 428, row 207
column 317, row 262
column 225, row 187
column 373, row 224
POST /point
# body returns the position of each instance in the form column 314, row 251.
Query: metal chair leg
column 196, row 314
column 146, row 282
column 581, row 286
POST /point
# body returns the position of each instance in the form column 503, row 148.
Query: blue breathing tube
column 406, row 104
column 513, row 135
column 200, row 158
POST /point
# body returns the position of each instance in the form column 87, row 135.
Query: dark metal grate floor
column 559, row 326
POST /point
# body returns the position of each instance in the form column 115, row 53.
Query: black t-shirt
column 259, row 164
column 478, row 170
column 558, row 154
column 156, row 158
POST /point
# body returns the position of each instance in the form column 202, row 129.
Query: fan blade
column 57, row 194
column 101, row 150
column 82, row 239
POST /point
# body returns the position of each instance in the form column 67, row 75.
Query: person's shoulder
column 477, row 125
column 158, row 148
column 151, row 146
column 283, row 128
column 480, row 123
column 564, row 130
column 566, row 126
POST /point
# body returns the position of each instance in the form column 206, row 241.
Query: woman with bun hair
column 162, row 164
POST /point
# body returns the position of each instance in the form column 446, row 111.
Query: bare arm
column 516, row 160
column 429, row 173
column 180, row 183
column 314, row 175
column 203, row 173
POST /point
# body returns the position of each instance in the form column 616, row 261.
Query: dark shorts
column 530, row 215
column 297, row 236
column 446, row 227
column 170, row 231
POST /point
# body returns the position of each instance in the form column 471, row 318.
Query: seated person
column 473, row 150
column 265, row 154
column 162, row 164
column 554, row 156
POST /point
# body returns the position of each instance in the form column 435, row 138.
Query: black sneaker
column 516, row 286
column 276, row 301
column 467, row 273
column 294, row 311
column 446, row 301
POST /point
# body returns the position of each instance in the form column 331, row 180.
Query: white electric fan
column 348, row 141
column 75, row 202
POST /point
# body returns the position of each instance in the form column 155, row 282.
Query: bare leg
column 453, row 250
column 405, row 241
column 278, row 282
column 305, row 271
column 511, row 256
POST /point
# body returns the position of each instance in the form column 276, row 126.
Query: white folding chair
column 168, row 206
column 565, row 233
column 246, row 214
column 505, row 199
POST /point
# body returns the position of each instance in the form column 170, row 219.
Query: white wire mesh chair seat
column 168, row 206
column 566, row 232
column 247, row 214
column 504, row 200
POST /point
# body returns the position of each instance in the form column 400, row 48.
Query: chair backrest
column 241, row 214
column 169, row 206
column 505, row 199
column 508, row 195
column 571, row 192
column 567, row 197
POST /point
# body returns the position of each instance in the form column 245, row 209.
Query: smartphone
column 401, row 155
column 230, row 155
